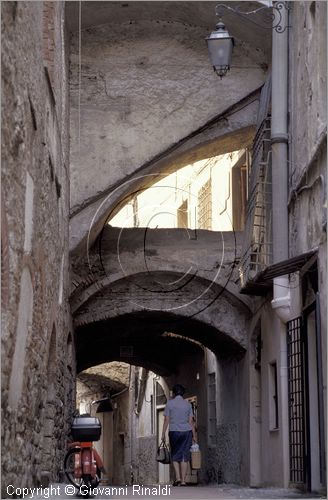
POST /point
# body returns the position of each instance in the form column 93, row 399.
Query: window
column 258, row 352
column 273, row 395
column 182, row 215
column 205, row 206
column 239, row 196
column 212, row 408
column 160, row 395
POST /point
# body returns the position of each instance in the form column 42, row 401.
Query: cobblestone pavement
column 61, row 491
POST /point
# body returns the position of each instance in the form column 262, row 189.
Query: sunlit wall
column 198, row 196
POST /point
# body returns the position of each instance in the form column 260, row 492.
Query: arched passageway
column 165, row 300
column 147, row 339
column 205, row 352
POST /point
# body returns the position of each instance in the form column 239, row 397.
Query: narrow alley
column 164, row 249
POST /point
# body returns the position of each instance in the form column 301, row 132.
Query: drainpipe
column 279, row 141
column 142, row 382
column 281, row 302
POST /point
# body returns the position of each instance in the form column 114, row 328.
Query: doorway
column 315, row 441
column 305, row 384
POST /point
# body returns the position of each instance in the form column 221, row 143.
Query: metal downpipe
column 279, row 140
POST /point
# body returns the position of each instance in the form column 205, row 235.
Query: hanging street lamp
column 220, row 43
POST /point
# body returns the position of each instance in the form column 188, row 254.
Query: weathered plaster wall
column 146, row 429
column 308, row 148
column 228, row 425
column 38, row 362
column 308, row 129
column 147, row 465
column 226, row 458
column 308, row 99
column 147, row 99
column 272, row 464
column 145, row 85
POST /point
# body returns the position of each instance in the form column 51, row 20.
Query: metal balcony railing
column 257, row 249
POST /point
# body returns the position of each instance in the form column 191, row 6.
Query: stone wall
column 147, row 465
column 38, row 361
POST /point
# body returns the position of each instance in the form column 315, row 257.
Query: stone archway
column 142, row 338
column 162, row 337
column 147, row 306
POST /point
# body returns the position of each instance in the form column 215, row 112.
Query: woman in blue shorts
column 179, row 418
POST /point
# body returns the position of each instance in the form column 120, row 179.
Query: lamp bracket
column 273, row 19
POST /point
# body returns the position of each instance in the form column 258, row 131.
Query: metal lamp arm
column 275, row 16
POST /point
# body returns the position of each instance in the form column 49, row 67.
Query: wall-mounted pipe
column 281, row 302
column 142, row 382
column 279, row 140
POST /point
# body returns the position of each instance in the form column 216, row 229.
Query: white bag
column 196, row 457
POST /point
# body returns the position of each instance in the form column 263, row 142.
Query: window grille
column 205, row 206
column 296, row 398
column 212, row 408
column 273, row 391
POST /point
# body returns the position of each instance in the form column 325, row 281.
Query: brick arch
column 121, row 253
column 218, row 320
column 149, row 339
column 167, row 291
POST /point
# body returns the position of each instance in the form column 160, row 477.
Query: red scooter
column 82, row 464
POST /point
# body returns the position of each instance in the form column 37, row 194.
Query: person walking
column 178, row 416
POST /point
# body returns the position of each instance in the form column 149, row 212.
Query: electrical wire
column 80, row 76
